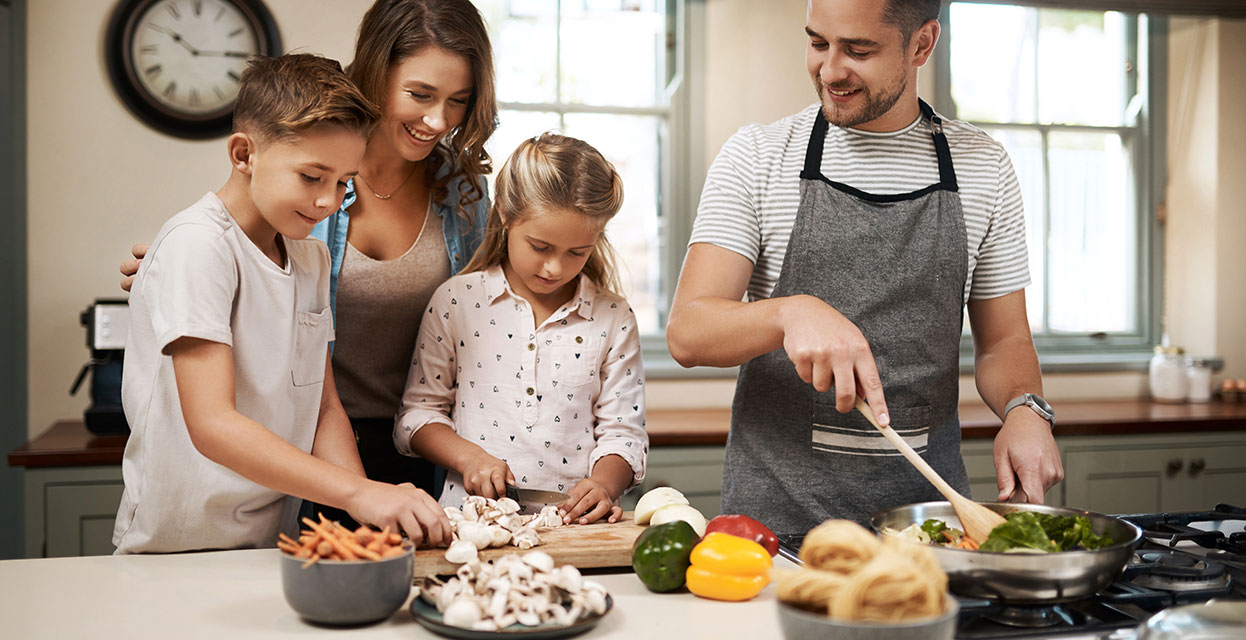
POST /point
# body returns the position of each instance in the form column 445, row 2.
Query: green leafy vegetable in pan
column 1032, row 531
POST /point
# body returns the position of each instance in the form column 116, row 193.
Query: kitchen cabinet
column 70, row 511
column 1154, row 473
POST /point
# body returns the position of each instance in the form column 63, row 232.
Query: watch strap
column 1035, row 403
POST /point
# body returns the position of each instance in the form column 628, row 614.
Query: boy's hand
column 130, row 267
column 485, row 475
column 589, row 500
column 402, row 508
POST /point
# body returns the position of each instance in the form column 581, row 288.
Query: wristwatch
column 1034, row 402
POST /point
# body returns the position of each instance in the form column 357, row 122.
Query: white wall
column 99, row 180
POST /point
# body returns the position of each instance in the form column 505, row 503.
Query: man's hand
column 130, row 267
column 402, row 508
column 1027, row 461
column 827, row 347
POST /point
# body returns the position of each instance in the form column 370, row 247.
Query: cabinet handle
column 1175, row 465
column 1197, row 465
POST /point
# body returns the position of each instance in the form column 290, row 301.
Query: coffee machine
column 107, row 322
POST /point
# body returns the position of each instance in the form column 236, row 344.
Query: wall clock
column 176, row 63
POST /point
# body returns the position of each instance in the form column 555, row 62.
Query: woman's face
column 426, row 98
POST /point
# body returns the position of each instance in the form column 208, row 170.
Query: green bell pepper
column 661, row 555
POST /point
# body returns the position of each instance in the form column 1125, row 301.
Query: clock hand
column 227, row 54
column 176, row 38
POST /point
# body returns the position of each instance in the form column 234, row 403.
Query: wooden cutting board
column 600, row 544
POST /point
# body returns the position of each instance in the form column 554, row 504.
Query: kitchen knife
column 534, row 496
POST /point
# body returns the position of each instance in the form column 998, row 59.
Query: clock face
column 176, row 64
column 189, row 54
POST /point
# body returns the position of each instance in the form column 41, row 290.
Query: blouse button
column 531, row 391
column 579, row 339
column 531, row 346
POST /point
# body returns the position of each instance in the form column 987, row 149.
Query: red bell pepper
column 745, row 527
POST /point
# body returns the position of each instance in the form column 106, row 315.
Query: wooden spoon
column 975, row 518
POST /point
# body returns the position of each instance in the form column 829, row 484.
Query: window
column 1068, row 94
column 604, row 71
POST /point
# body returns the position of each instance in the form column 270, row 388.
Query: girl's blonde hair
column 553, row 170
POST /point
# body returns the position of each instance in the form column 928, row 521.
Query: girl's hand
column 130, row 267
column 404, row 508
column 589, row 500
column 485, row 475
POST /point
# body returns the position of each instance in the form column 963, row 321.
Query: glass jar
column 1167, row 373
column 1198, row 379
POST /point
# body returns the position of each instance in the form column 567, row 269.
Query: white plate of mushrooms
column 515, row 595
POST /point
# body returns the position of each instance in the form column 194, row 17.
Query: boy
column 227, row 385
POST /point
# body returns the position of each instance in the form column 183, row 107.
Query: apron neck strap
column 947, row 174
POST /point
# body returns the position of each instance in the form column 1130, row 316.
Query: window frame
column 1102, row 351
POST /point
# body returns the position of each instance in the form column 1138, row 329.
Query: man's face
column 859, row 64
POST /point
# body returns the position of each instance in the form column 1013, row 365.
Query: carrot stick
column 289, row 548
column 341, row 549
column 312, row 560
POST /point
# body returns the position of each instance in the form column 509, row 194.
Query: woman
column 414, row 215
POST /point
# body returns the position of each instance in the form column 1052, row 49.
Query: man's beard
column 874, row 108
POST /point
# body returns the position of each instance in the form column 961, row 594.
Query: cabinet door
column 1124, row 481
column 1217, row 475
column 80, row 518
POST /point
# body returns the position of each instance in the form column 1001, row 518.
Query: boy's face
column 547, row 249
column 299, row 182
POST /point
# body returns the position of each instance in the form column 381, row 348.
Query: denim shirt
column 461, row 243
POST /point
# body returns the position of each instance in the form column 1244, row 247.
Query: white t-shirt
column 204, row 278
column 752, row 192
column 550, row 401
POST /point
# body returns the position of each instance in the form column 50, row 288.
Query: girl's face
column 546, row 250
column 426, row 98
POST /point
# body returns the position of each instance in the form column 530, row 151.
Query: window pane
column 631, row 143
column 1093, row 43
column 524, row 37
column 613, row 53
column 992, row 62
column 1092, row 239
column 1025, row 147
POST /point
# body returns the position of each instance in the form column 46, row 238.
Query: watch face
column 176, row 63
column 188, row 54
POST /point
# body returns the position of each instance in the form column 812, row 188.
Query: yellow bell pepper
column 727, row 567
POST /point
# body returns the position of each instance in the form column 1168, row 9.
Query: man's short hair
column 280, row 97
column 909, row 15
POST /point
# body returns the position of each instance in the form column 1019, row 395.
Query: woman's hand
column 485, row 475
column 589, row 500
column 130, row 267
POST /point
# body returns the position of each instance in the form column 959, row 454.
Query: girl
column 527, row 368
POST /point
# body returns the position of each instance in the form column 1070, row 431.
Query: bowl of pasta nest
column 854, row 585
column 1041, row 555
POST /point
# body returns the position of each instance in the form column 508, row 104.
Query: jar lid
column 1169, row 350
column 1195, row 361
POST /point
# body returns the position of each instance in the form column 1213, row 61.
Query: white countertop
column 237, row 594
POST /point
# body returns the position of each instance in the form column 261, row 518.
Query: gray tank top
column 379, row 304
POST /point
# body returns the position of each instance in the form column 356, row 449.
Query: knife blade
column 534, row 496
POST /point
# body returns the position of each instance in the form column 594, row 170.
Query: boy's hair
column 909, row 15
column 392, row 31
column 553, row 170
column 280, row 97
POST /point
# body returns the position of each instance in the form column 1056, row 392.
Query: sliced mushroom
column 463, row 613
column 461, row 551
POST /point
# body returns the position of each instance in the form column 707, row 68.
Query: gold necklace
column 391, row 193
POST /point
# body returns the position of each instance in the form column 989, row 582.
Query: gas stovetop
column 1183, row 558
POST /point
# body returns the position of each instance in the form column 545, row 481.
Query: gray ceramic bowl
column 353, row 592
column 798, row 624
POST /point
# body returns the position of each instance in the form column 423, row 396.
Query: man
column 860, row 228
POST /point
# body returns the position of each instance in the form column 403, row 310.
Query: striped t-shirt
column 752, row 192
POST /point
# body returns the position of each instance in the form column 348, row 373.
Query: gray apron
column 896, row 266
